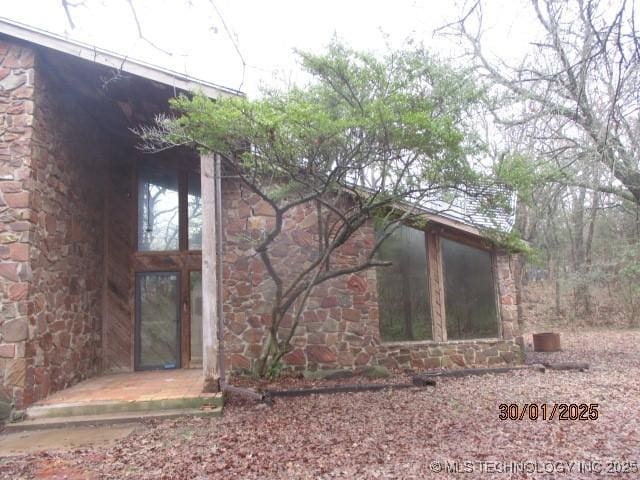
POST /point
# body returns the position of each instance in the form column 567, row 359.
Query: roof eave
column 111, row 59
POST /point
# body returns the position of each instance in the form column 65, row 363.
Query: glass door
column 157, row 320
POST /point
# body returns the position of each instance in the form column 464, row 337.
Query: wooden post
column 436, row 287
column 210, row 364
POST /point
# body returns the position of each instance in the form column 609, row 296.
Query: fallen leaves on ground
column 389, row 434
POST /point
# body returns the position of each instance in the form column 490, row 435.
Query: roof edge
column 114, row 60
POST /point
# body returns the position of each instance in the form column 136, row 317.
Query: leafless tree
column 70, row 5
column 576, row 97
column 570, row 104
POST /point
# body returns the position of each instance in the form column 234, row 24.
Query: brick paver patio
column 136, row 386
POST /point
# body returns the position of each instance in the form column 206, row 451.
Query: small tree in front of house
column 369, row 139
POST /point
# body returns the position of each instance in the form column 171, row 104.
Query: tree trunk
column 558, row 298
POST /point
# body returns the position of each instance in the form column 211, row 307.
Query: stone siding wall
column 334, row 329
column 340, row 327
column 506, row 270
column 16, row 216
column 69, row 156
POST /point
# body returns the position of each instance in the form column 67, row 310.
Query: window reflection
column 469, row 293
column 158, row 317
column 158, row 211
column 402, row 287
column 194, row 212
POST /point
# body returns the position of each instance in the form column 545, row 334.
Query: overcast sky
column 197, row 34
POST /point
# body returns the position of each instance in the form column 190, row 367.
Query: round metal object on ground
column 546, row 342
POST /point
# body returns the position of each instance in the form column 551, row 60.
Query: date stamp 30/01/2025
column 548, row 412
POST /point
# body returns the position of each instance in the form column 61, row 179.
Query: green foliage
column 513, row 243
column 523, row 174
column 274, row 370
column 359, row 111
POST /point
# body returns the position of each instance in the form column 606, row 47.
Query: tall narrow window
column 194, row 212
column 403, row 295
column 470, row 300
column 158, row 211
column 195, row 293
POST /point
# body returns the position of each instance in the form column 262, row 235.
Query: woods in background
column 567, row 114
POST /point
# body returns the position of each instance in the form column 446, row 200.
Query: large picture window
column 470, row 301
column 402, row 287
column 461, row 276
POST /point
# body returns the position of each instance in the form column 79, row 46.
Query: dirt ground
column 34, row 441
column 422, row 433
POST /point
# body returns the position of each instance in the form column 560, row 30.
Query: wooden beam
column 436, row 287
column 583, row 367
column 420, row 378
column 354, row 388
column 210, row 364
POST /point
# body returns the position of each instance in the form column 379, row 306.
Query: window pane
column 469, row 293
column 196, row 318
column 158, row 297
column 403, row 296
column 158, row 212
column 194, row 212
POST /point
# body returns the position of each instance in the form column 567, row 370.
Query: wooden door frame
column 180, row 261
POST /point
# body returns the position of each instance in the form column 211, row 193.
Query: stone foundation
column 462, row 354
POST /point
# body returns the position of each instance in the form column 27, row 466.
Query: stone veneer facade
column 57, row 295
column 50, row 232
column 16, row 217
column 340, row 327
